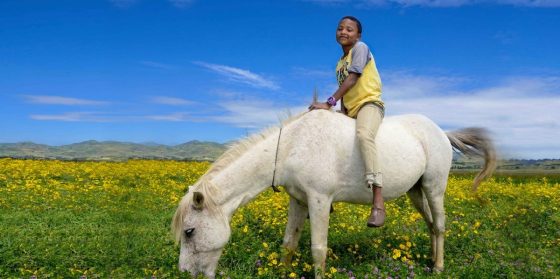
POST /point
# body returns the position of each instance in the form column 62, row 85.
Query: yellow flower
column 476, row 225
column 292, row 275
column 396, row 253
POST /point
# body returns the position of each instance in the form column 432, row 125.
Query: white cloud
column 69, row 117
column 177, row 117
column 522, row 112
column 241, row 76
column 88, row 116
column 174, row 117
column 254, row 114
column 316, row 73
column 172, row 101
column 407, row 84
column 58, row 100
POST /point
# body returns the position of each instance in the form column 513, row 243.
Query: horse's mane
column 237, row 149
column 205, row 185
column 240, row 147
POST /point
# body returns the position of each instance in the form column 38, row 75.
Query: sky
column 171, row 71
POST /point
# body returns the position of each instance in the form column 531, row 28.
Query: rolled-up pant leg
column 367, row 123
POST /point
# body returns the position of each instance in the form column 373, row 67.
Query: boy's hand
column 318, row 105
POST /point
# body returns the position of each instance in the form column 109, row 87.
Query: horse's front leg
column 319, row 208
column 297, row 214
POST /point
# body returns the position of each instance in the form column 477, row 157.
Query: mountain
column 468, row 163
column 114, row 150
column 200, row 151
column 30, row 149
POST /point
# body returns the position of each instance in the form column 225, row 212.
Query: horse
column 315, row 157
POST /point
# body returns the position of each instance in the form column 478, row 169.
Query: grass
column 99, row 220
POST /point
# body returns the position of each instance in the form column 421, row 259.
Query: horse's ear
column 198, row 200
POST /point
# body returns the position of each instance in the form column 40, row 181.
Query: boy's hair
column 354, row 20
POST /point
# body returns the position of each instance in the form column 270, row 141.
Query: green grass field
column 101, row 219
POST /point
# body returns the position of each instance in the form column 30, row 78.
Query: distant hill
column 467, row 163
column 114, row 150
column 200, row 151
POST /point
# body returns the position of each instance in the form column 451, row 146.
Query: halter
column 274, row 187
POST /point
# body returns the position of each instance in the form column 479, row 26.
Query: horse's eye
column 189, row 232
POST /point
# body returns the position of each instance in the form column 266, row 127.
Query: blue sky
column 179, row 70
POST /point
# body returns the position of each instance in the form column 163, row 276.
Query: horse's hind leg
column 421, row 204
column 434, row 189
column 297, row 214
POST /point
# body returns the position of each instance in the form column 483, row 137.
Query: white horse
column 315, row 157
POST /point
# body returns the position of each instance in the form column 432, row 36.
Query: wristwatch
column 331, row 101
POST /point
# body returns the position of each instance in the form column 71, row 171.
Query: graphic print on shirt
column 342, row 72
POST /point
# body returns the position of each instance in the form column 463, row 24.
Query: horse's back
column 324, row 144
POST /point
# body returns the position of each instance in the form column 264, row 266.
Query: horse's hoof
column 438, row 270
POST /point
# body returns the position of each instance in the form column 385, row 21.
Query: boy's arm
column 346, row 85
column 342, row 89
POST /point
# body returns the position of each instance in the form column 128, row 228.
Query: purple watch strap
column 331, row 101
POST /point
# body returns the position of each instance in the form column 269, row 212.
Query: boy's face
column 347, row 33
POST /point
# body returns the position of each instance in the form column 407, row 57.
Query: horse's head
column 202, row 231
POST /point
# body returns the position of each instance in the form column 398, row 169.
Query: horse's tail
column 475, row 141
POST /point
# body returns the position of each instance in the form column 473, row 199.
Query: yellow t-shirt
column 368, row 87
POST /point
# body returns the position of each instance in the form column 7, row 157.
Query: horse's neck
column 247, row 176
